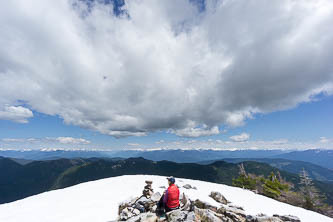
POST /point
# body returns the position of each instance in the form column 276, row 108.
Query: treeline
column 274, row 186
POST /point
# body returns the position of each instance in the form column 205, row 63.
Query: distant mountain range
column 319, row 157
column 292, row 166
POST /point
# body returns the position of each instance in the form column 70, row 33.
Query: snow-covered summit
column 99, row 200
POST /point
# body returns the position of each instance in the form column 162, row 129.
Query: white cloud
column 71, row 140
column 280, row 142
column 241, row 137
column 34, row 143
column 324, row 140
column 15, row 113
column 197, row 131
column 13, row 140
column 133, row 144
column 163, row 66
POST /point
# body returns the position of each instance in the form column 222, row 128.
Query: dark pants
column 163, row 207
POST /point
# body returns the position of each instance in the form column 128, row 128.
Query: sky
column 145, row 74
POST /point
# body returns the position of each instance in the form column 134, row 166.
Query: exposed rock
column 268, row 219
column 143, row 200
column 134, row 219
column 143, row 209
column 185, row 203
column 206, row 215
column 148, row 217
column 122, row 207
column 250, row 218
column 236, row 207
column 261, row 215
column 203, row 205
column 235, row 217
column 153, row 209
column 255, row 191
column 156, row 197
column 149, row 182
column 136, row 212
column 187, row 186
column 235, row 211
column 177, row 215
column 288, row 218
column 232, row 214
column 191, row 217
column 125, row 214
column 217, row 196
column 140, row 207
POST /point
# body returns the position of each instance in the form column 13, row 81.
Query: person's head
column 171, row 180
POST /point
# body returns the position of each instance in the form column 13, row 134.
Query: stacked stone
column 148, row 190
column 142, row 208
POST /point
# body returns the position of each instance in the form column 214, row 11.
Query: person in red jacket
column 170, row 198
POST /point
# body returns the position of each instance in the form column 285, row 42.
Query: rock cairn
column 143, row 209
column 148, row 190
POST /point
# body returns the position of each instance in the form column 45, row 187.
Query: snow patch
column 99, row 200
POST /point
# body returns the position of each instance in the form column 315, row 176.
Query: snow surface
column 98, row 201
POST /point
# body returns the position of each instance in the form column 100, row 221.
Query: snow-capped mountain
column 99, row 200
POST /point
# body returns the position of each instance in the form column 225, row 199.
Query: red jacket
column 172, row 196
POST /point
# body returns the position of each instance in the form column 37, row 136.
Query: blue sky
column 224, row 74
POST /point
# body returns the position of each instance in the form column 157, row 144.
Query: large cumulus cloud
column 163, row 65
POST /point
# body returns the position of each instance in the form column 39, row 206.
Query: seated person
column 170, row 199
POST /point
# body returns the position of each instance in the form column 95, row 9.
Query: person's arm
column 165, row 200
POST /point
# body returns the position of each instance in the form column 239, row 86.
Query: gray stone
column 125, row 214
column 143, row 200
column 236, row 211
column 288, row 218
column 136, row 211
column 236, row 207
column 206, row 215
column 250, row 218
column 134, row 219
column 261, row 215
column 122, row 207
column 148, row 217
column 140, row 207
column 187, row 186
column 191, row 217
column 149, row 182
column 153, row 209
column 176, row 215
column 146, row 203
column 156, row 197
column 185, row 202
column 268, row 219
column 204, row 205
column 235, row 217
column 217, row 196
